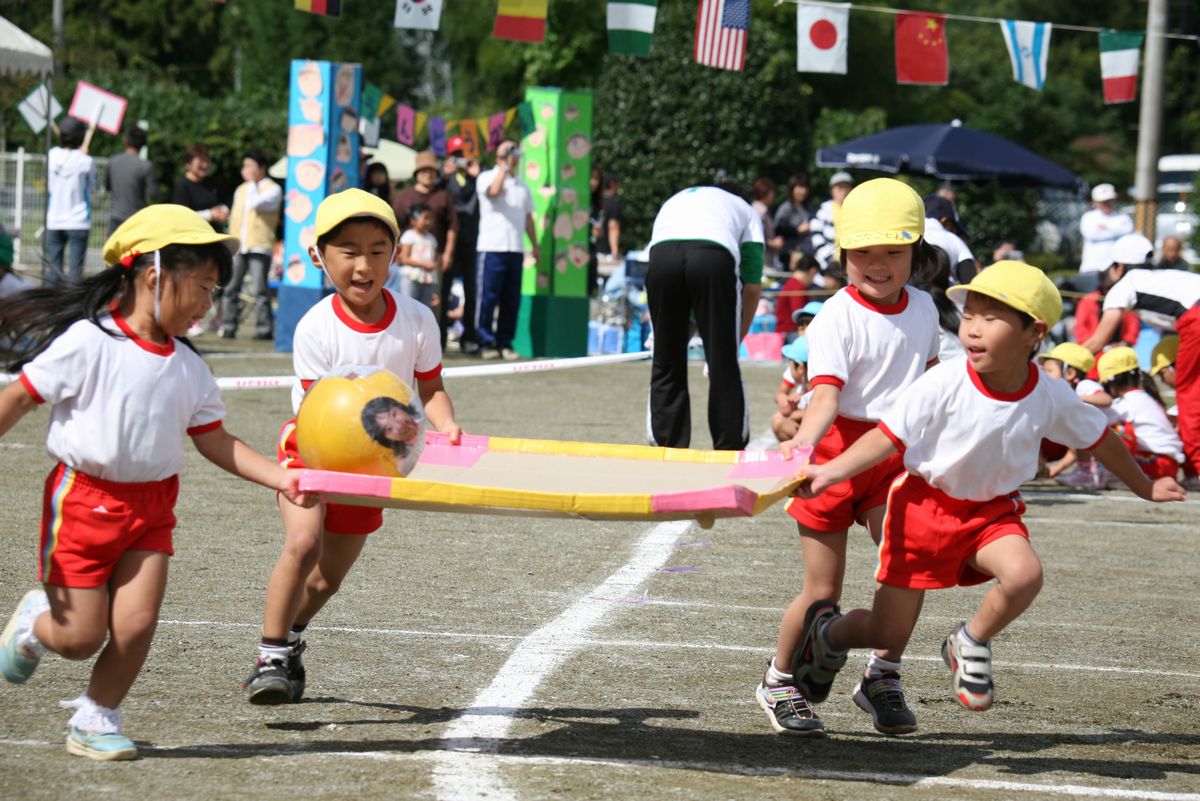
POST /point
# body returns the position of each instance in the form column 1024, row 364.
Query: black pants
column 686, row 278
column 463, row 268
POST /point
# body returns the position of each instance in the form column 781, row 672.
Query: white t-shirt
column 956, row 249
column 1160, row 297
column 1100, row 231
column 11, row 284
column 871, row 353
column 502, row 218
column 424, row 247
column 70, row 183
column 711, row 214
column 975, row 444
column 1151, row 427
column 406, row 341
column 1086, row 389
column 120, row 406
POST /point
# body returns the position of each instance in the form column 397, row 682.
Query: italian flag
column 631, row 26
column 1119, row 51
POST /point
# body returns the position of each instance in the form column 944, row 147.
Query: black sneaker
column 789, row 711
column 815, row 664
column 295, row 669
column 269, row 683
column 883, row 699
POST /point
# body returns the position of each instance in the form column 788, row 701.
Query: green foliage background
column 216, row 73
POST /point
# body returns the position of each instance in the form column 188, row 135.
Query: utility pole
column 1150, row 120
column 56, row 11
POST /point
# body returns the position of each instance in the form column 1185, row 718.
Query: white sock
column 776, row 677
column 877, row 666
column 294, row 636
column 92, row 718
column 278, row 653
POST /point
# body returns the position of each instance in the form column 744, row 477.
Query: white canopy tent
column 21, row 54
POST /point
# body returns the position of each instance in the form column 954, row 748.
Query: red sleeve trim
column 33, row 393
column 196, row 431
column 428, row 374
column 887, row 432
column 832, row 381
column 1096, row 444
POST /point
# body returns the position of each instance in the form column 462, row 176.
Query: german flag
column 326, row 8
column 521, row 20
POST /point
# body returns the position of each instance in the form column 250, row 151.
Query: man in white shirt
column 70, row 181
column 505, row 216
column 253, row 219
column 1101, row 226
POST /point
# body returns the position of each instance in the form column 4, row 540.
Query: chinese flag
column 921, row 53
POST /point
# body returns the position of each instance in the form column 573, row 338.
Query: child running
column 123, row 389
column 1144, row 425
column 1072, row 363
column 969, row 431
column 361, row 324
column 870, row 341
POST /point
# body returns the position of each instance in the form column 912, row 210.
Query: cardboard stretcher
column 544, row 478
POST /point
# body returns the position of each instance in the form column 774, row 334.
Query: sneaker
column 510, row 355
column 468, row 347
column 295, row 670
column 883, row 699
column 102, row 746
column 971, row 669
column 490, row 353
column 815, row 664
column 270, row 683
column 17, row 662
column 1083, row 476
column 789, row 711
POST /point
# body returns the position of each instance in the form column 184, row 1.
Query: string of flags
column 922, row 55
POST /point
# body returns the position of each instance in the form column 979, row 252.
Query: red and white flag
column 1119, row 51
column 822, row 33
column 721, row 30
column 921, row 53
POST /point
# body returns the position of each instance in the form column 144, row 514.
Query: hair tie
column 127, row 261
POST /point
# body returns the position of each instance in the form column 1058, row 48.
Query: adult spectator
column 792, row 220
column 1101, row 226
column 459, row 175
column 444, row 220
column 505, row 216
column 762, row 197
column 195, row 190
column 941, row 229
column 1167, row 299
column 706, row 259
column 379, row 183
column 1172, row 255
column 130, row 179
column 608, row 240
column 70, row 182
column 793, row 295
column 825, row 220
column 253, row 220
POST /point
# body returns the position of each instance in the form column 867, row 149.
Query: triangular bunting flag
column 425, row 15
column 419, row 125
column 1119, row 51
column 525, row 117
column 822, row 35
column 1028, row 45
column 631, row 26
column 921, row 53
column 509, row 115
column 385, row 103
column 521, row 20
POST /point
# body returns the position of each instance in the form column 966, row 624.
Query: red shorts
column 339, row 518
column 88, row 524
column 929, row 537
column 845, row 503
column 1157, row 466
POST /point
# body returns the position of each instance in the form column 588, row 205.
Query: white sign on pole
column 33, row 108
column 94, row 105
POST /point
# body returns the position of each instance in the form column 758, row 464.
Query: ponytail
column 931, row 272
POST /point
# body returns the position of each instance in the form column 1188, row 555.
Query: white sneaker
column 20, row 651
column 94, row 731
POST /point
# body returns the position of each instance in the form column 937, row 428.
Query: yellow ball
column 361, row 420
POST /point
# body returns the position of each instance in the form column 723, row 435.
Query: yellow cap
column 1019, row 285
column 1114, row 362
column 337, row 208
column 1072, row 355
column 883, row 211
column 155, row 227
column 1164, row 354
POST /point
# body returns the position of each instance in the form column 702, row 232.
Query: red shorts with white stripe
column 88, row 524
column 845, row 503
column 339, row 518
column 929, row 537
column 1157, row 466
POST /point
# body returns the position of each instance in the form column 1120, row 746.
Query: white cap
column 841, row 178
column 1132, row 249
column 1103, row 192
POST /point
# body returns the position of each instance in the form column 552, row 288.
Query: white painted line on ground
column 489, row 717
column 1041, row 521
column 603, row 597
column 1031, row 494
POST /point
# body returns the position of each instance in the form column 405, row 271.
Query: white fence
column 23, row 210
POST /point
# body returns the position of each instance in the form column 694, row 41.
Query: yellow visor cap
column 349, row 203
column 155, row 227
column 883, row 211
column 1021, row 286
column 1072, row 355
column 1114, row 362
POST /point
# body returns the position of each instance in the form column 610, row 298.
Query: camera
column 514, row 153
column 460, row 161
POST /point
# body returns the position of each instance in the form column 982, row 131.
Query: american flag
column 721, row 29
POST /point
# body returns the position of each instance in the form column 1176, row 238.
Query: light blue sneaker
column 102, row 746
column 17, row 662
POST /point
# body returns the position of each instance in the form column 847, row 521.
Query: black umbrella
column 952, row 152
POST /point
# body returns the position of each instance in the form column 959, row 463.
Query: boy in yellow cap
column 362, row 323
column 969, row 431
column 1072, row 363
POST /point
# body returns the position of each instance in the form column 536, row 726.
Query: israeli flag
column 1028, row 44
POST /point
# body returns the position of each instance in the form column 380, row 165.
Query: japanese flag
column 821, row 35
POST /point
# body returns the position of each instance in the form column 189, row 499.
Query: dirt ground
column 507, row 658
